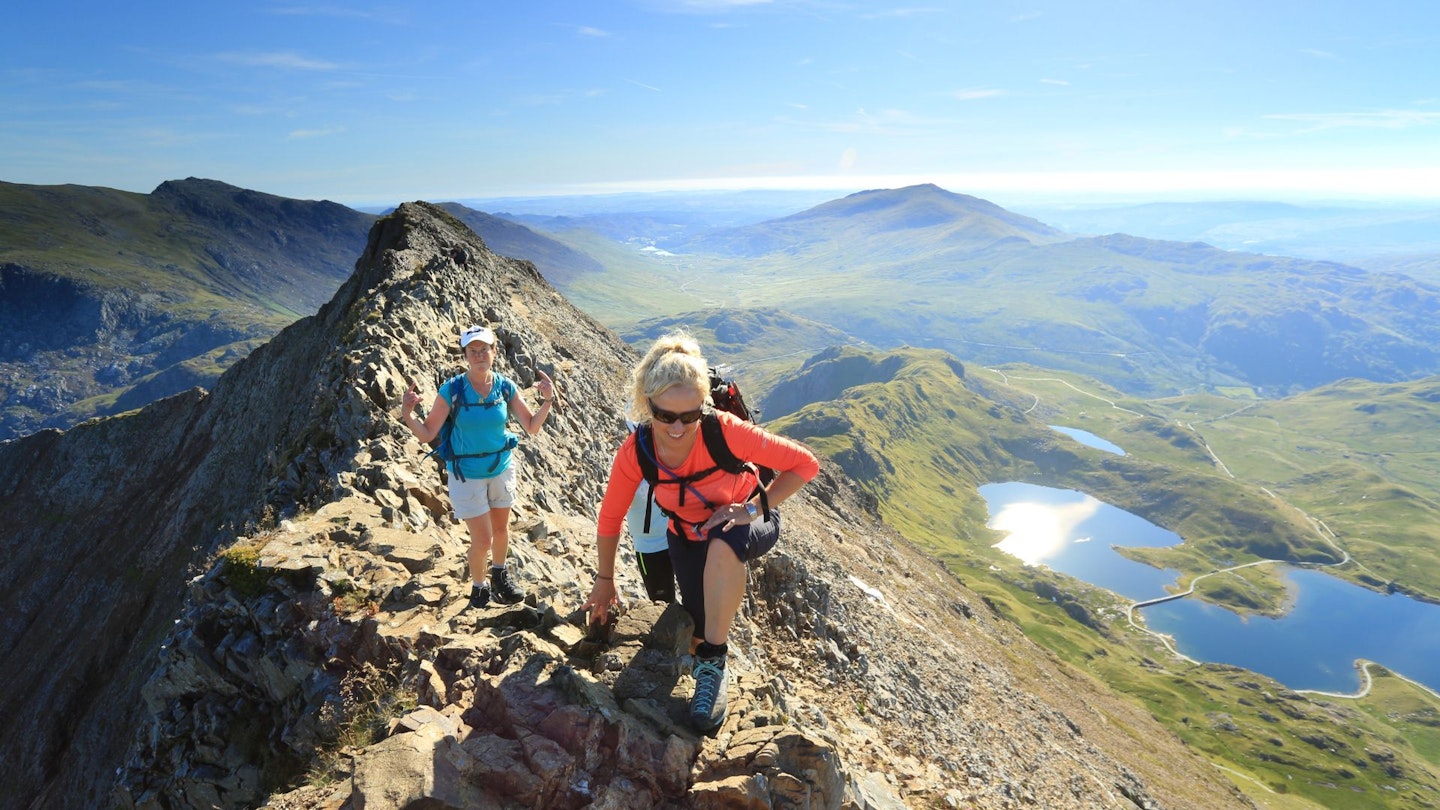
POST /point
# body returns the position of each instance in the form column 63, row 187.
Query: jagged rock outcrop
column 264, row 604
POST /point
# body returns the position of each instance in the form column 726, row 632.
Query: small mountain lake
column 1313, row 646
column 1088, row 439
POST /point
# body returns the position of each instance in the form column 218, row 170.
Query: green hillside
column 931, row 431
column 112, row 299
column 558, row 262
column 921, row 432
column 761, row 346
column 1358, row 457
column 198, row 245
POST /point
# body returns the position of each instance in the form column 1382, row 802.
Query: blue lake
column 1089, row 439
column 1313, row 646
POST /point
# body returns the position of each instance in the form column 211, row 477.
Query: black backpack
column 727, row 397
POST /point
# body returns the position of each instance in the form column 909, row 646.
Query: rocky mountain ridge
column 867, row 676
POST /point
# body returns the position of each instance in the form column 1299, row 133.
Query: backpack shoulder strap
column 440, row 445
column 649, row 470
column 725, row 458
column 498, row 387
column 645, row 453
column 714, row 434
column 650, row 465
column 458, row 384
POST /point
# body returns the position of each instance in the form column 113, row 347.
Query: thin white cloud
column 541, row 99
column 881, row 122
column 293, row 61
column 1318, row 54
column 302, row 134
column 589, row 31
column 1385, row 119
column 322, row 11
column 703, row 6
column 117, row 86
column 643, row 85
column 976, row 93
column 252, row 110
column 1059, row 82
column 162, row 136
column 1027, row 16
column 914, row 11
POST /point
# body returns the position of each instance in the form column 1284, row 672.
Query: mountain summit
column 881, row 225
column 256, row 596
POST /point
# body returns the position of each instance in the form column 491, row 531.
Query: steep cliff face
column 110, row 299
column 325, row 658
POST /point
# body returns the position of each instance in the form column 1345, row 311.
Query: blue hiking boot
column 707, row 705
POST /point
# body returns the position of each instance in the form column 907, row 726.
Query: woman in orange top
column 670, row 391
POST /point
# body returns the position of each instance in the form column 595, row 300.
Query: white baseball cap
column 483, row 334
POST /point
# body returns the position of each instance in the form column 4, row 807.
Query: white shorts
column 474, row 497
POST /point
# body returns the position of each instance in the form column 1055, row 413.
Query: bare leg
column 500, row 530
column 724, row 590
column 480, row 545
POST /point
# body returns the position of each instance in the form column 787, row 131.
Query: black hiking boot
column 708, row 704
column 505, row 591
column 479, row 595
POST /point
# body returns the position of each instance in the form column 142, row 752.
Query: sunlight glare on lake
column 1039, row 531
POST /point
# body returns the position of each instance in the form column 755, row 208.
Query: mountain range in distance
column 112, row 299
column 1376, row 237
column 923, row 266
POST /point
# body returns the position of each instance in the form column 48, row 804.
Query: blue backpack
column 444, row 448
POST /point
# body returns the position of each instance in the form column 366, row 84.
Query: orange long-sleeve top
column 748, row 441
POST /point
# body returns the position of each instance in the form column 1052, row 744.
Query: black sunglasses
column 670, row 417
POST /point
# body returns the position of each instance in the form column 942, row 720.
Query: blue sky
column 1050, row 100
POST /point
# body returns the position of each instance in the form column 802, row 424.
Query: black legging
column 658, row 574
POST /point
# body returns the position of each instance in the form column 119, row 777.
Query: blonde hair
column 672, row 360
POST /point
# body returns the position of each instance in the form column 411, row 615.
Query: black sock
column 712, row 651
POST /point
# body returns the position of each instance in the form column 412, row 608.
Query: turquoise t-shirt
column 480, row 428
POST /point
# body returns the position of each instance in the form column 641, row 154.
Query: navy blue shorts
column 688, row 557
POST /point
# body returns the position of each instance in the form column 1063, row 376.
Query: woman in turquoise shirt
column 482, row 477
